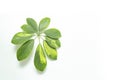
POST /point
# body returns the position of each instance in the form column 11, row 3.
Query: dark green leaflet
column 44, row 23
column 53, row 33
column 25, row 50
column 27, row 28
column 32, row 23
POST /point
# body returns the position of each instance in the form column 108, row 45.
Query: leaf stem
column 39, row 39
column 42, row 38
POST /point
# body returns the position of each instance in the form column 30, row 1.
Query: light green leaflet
column 47, row 46
column 21, row 37
column 51, row 53
column 40, row 59
column 53, row 42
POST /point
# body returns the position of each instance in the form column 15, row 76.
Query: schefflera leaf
column 21, row 37
column 33, row 24
column 51, row 53
column 28, row 29
column 44, row 23
column 53, row 33
column 53, row 42
column 40, row 61
column 25, row 50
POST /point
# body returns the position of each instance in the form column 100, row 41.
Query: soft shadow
column 47, row 57
column 23, row 62
column 26, row 61
column 16, row 48
column 41, row 72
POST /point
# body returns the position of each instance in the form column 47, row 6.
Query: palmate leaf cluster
column 26, row 39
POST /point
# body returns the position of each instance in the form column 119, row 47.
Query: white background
column 90, row 39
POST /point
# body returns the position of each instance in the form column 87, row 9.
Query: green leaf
column 53, row 42
column 28, row 28
column 32, row 23
column 21, row 37
column 40, row 59
column 53, row 33
column 49, row 45
column 24, row 51
column 51, row 53
column 44, row 23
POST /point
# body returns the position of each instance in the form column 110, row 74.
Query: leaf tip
column 19, row 59
column 47, row 18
